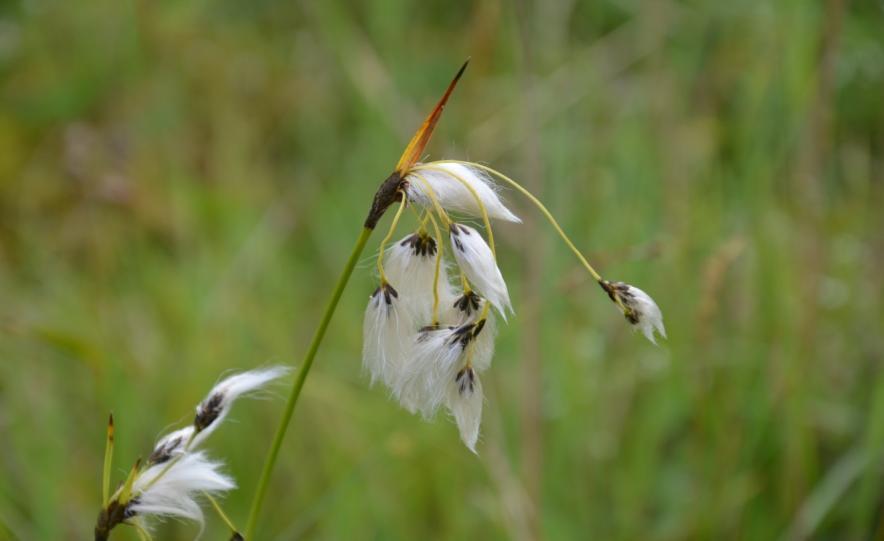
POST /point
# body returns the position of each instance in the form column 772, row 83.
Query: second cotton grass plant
column 177, row 476
column 429, row 326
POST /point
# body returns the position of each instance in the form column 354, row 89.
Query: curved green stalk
column 540, row 206
column 303, row 370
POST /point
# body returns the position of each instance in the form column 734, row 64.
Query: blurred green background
column 180, row 182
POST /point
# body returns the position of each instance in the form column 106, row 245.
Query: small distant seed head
column 619, row 291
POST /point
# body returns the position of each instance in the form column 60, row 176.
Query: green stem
column 303, row 370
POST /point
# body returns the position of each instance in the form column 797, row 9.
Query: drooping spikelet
column 464, row 400
column 387, row 334
column 476, row 260
column 638, row 308
column 411, row 265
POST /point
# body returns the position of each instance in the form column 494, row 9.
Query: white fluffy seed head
column 446, row 182
column 410, row 264
column 173, row 492
column 435, row 357
column 388, row 331
column 464, row 400
column 642, row 312
column 215, row 407
column 475, row 259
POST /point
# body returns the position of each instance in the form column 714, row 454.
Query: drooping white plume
column 446, row 182
column 422, row 385
column 387, row 332
column 215, row 407
column 642, row 311
column 475, row 259
column 172, row 490
column 410, row 264
column 464, row 401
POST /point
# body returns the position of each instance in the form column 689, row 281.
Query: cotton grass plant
column 429, row 326
column 177, row 478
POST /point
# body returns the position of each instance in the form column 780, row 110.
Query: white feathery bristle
column 464, row 401
column 175, row 492
column 435, row 353
column 387, row 335
column 475, row 259
column 649, row 316
column 215, row 407
column 410, row 265
column 483, row 345
column 444, row 179
column 237, row 385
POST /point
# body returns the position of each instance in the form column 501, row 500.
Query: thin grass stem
column 303, row 370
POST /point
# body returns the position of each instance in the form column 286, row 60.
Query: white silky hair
column 388, row 331
column 464, row 400
column 411, row 270
column 435, row 357
column 237, row 385
column 649, row 316
column 483, row 345
column 476, row 260
column 173, row 492
column 228, row 390
column 446, row 181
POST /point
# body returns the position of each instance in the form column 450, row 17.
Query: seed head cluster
column 430, row 325
column 429, row 328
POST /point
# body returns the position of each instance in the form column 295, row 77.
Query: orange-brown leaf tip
column 110, row 427
column 422, row 137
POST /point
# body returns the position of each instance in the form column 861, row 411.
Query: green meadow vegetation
column 181, row 183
